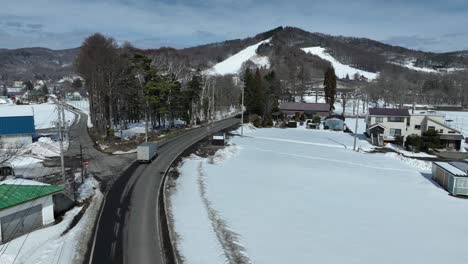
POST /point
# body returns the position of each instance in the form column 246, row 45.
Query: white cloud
column 180, row 22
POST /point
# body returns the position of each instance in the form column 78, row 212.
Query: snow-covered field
column 459, row 120
column 303, row 196
column 233, row 64
column 341, row 70
column 45, row 115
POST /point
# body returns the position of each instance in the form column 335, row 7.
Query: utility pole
column 60, row 131
column 242, row 115
column 81, row 163
column 356, row 126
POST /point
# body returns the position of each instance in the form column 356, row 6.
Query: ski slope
column 341, row 70
column 233, row 64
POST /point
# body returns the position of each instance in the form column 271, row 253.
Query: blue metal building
column 16, row 129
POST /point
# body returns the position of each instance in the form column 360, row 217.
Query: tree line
column 125, row 86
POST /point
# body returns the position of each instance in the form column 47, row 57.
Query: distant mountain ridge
column 40, row 63
column 284, row 52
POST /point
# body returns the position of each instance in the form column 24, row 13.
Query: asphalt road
column 128, row 229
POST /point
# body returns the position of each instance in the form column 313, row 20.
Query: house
column 422, row 122
column 14, row 93
column 25, row 206
column 290, row 109
column 388, row 125
column 452, row 176
column 16, row 129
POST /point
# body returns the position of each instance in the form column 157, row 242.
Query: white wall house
column 387, row 124
column 25, row 206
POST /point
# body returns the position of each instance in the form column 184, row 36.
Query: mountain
column 31, row 63
column 293, row 46
column 287, row 50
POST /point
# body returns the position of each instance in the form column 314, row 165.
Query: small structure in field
column 219, row 139
column 453, row 176
column 25, row 206
column 334, row 122
column 292, row 124
column 6, row 169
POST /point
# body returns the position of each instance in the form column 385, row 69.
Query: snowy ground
column 341, row 70
column 233, row 64
column 28, row 161
column 49, row 245
column 45, row 115
column 303, row 196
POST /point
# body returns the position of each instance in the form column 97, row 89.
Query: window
column 395, row 132
column 451, row 132
column 441, row 131
column 379, row 119
column 431, row 128
column 418, row 127
column 396, row 119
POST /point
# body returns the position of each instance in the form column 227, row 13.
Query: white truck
column 147, row 152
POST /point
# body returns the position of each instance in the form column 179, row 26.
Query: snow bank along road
column 128, row 230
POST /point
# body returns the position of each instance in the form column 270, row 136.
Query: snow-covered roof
column 451, row 169
column 10, row 111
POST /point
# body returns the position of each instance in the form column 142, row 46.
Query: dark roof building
column 306, row 108
column 389, row 112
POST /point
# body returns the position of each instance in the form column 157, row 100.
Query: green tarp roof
column 11, row 195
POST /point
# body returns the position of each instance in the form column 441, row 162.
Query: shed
column 219, row 139
column 452, row 176
column 24, row 208
column 334, row 122
column 16, row 129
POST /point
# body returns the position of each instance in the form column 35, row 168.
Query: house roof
column 452, row 137
column 12, row 195
column 388, row 112
column 305, row 107
column 376, row 125
column 17, row 125
column 451, row 169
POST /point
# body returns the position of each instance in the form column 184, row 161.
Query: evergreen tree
column 4, row 90
column 29, row 85
column 44, row 89
column 77, row 83
column 193, row 93
column 329, row 85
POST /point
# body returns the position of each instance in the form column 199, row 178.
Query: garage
column 20, row 223
column 25, row 207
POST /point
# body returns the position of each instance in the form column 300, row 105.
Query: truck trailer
column 147, row 152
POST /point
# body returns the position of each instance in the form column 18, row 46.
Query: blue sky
column 419, row 24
